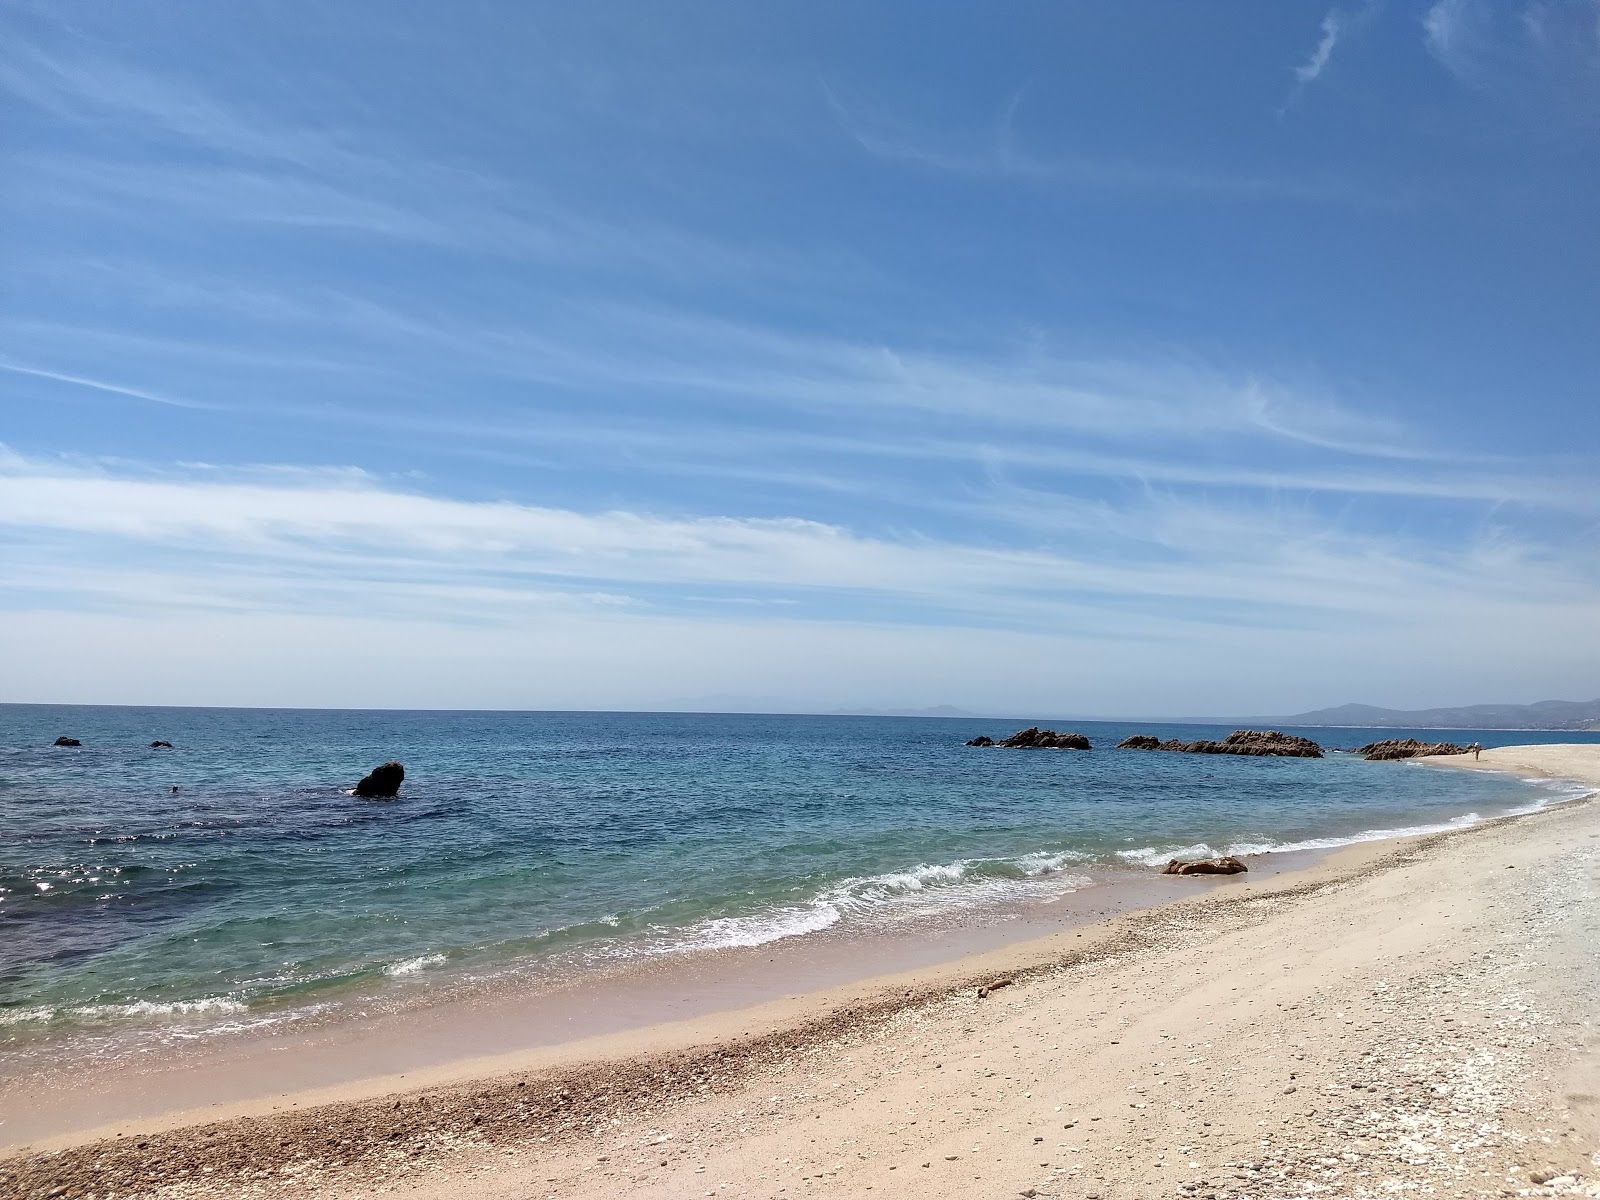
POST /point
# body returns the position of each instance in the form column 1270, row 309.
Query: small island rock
column 66, row 741
column 383, row 783
column 159, row 745
column 1034, row 738
column 1253, row 743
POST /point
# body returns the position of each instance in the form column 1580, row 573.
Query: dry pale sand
column 1408, row 1018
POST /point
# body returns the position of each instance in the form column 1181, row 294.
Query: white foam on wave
column 18, row 1016
column 923, row 890
column 138, row 1008
column 411, row 966
column 727, row 933
column 1153, row 856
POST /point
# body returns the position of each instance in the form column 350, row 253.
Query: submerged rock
column 161, row 745
column 1227, row 865
column 383, row 783
column 1034, row 738
column 66, row 741
column 1392, row 748
column 1253, row 743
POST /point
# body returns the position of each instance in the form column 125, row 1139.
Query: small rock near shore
column 66, row 741
column 1140, row 741
column 159, row 745
column 1393, row 748
column 383, row 783
column 1227, row 865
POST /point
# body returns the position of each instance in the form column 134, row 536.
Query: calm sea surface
column 262, row 891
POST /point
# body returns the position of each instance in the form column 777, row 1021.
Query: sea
column 234, row 882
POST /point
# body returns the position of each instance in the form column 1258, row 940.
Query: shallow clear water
column 262, row 887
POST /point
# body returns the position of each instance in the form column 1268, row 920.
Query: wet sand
column 1414, row 1013
column 44, row 1100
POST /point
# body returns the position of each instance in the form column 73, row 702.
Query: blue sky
column 1083, row 358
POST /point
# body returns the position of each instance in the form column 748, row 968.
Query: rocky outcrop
column 1253, row 743
column 66, row 741
column 1227, row 865
column 383, row 783
column 161, row 745
column 1034, row 738
column 1392, row 748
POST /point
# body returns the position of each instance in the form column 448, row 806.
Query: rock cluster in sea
column 1034, row 738
column 1392, row 748
column 67, row 741
column 1255, row 743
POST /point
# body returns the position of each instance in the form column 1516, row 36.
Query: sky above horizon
column 1085, row 358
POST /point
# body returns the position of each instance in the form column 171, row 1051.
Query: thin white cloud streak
column 1332, row 27
column 998, row 152
column 100, row 385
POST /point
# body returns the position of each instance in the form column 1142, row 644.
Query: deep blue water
column 261, row 886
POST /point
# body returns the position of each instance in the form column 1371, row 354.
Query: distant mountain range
column 938, row 710
column 1546, row 714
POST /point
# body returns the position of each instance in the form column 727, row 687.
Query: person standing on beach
column 1476, row 750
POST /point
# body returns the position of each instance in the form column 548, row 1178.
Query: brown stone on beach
column 992, row 987
column 1252, row 743
column 1227, row 865
column 383, row 783
column 1393, row 748
column 66, row 741
column 1034, row 738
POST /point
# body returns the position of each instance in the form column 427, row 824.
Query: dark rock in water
column 980, row 740
column 66, row 741
column 161, row 745
column 1254, row 743
column 1205, row 866
column 1392, row 748
column 1034, row 738
column 384, row 782
column 1268, row 743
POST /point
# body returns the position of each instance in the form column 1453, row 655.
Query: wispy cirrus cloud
column 994, row 148
column 225, row 164
column 1332, row 28
column 1157, row 561
column 1453, row 31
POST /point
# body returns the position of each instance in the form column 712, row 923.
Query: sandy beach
column 1407, row 1017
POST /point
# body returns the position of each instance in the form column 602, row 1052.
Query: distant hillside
column 1546, row 714
column 938, row 710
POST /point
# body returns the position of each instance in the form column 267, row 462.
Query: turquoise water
column 261, row 890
